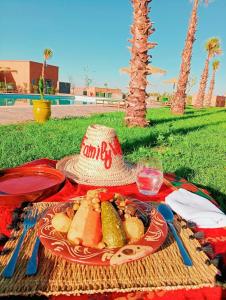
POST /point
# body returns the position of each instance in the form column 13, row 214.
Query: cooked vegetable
column 86, row 226
column 112, row 228
column 134, row 228
column 61, row 222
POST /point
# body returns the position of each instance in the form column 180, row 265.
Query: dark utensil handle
column 185, row 256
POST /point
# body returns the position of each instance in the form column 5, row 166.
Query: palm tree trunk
column 141, row 29
column 202, row 87
column 211, row 89
column 179, row 99
column 43, row 74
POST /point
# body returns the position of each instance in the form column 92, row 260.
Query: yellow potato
column 61, row 222
column 134, row 228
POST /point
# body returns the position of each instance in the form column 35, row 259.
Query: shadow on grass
column 218, row 196
column 152, row 138
column 185, row 172
column 188, row 174
column 185, row 117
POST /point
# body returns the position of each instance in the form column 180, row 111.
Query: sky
column 91, row 38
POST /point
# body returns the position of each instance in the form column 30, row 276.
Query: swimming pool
column 26, row 99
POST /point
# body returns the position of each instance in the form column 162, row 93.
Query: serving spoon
column 167, row 214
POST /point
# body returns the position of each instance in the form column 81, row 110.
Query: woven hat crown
column 100, row 161
column 100, row 146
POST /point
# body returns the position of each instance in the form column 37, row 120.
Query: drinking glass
column 149, row 177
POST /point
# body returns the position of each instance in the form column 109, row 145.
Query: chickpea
column 75, row 200
column 130, row 210
column 76, row 241
column 101, row 245
column 76, row 206
column 127, row 216
column 95, row 200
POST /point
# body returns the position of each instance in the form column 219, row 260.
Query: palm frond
column 47, row 53
column 216, row 65
column 213, row 46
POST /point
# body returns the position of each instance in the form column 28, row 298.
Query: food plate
column 28, row 184
column 58, row 244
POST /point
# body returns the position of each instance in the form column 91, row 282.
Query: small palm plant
column 213, row 48
column 42, row 107
column 47, row 54
column 215, row 66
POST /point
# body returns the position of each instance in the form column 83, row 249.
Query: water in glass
column 149, row 180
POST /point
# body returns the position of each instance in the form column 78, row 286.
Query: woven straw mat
column 163, row 270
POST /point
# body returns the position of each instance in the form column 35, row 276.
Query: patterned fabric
column 216, row 237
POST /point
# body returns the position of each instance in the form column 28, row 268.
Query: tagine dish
column 102, row 228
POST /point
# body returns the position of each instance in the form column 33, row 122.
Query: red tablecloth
column 216, row 237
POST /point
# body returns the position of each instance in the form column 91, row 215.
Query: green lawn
column 193, row 146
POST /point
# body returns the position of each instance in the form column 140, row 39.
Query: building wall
column 19, row 78
column 214, row 101
column 28, row 72
column 51, row 73
column 95, row 91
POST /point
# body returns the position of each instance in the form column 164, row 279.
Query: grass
column 193, row 146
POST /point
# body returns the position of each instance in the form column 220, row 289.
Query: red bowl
column 30, row 184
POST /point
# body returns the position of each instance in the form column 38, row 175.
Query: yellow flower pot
column 41, row 110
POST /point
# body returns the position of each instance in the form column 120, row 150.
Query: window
column 48, row 83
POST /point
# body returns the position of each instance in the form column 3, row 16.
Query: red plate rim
column 32, row 170
column 57, row 244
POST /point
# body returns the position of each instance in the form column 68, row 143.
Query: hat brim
column 124, row 177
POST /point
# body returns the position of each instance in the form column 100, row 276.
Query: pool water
column 13, row 99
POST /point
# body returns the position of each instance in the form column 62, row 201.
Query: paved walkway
column 15, row 114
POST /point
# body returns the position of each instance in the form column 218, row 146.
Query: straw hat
column 100, row 162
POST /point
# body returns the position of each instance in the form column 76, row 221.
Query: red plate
column 28, row 184
column 57, row 243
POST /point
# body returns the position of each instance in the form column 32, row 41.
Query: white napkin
column 197, row 209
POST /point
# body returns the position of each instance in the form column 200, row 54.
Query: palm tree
column 215, row 66
column 47, row 54
column 141, row 29
column 213, row 48
column 179, row 99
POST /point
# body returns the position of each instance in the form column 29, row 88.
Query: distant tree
column 212, row 48
column 88, row 81
column 140, row 29
column 179, row 98
column 215, row 66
